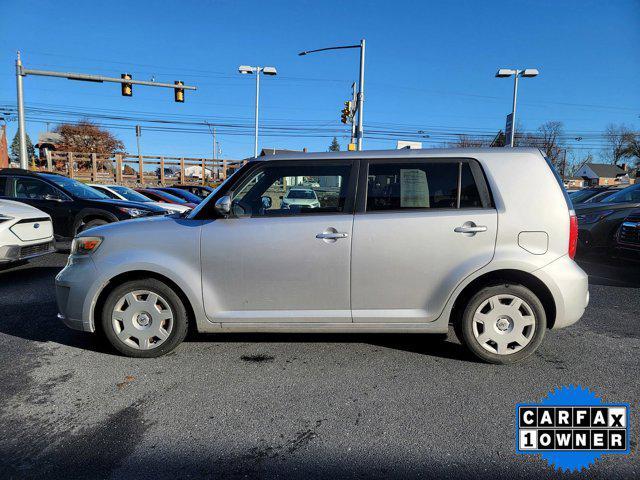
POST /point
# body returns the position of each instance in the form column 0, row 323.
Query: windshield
column 75, row 188
column 167, row 197
column 600, row 197
column 582, row 195
column 130, row 195
column 629, row 194
column 302, row 194
column 188, row 196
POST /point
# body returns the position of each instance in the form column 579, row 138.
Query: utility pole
column 138, row 135
column 126, row 81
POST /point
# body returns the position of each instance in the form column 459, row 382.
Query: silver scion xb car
column 402, row 241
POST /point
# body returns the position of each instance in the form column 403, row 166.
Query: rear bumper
column 569, row 286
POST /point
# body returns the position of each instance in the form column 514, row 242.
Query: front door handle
column 332, row 235
column 470, row 229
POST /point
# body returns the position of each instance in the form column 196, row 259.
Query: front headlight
column 85, row 245
column 134, row 212
column 588, row 218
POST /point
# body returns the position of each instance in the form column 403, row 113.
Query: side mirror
column 266, row 201
column 223, row 206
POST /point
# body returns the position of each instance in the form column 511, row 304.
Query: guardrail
column 140, row 170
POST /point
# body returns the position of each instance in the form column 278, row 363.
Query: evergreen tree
column 335, row 146
column 15, row 148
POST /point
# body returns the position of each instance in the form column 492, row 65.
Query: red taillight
column 573, row 235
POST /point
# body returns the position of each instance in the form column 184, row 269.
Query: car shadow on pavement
column 434, row 345
column 35, row 318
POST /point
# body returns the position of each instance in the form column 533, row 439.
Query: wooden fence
column 126, row 169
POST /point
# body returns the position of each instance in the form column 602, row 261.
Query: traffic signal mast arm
column 100, row 79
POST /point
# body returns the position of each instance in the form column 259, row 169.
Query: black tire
column 176, row 305
column 92, row 223
column 463, row 325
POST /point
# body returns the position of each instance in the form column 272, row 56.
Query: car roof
column 399, row 154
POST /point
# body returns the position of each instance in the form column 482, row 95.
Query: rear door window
column 423, row 184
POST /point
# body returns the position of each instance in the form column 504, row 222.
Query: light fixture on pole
column 246, row 70
column 360, row 98
column 511, row 119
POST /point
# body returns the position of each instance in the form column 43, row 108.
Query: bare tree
column 548, row 138
column 551, row 141
column 467, row 141
column 615, row 135
column 631, row 146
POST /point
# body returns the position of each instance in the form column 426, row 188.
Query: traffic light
column 346, row 112
column 178, row 92
column 127, row 88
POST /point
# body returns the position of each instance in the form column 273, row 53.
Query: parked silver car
column 403, row 241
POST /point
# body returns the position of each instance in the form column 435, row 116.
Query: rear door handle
column 469, row 229
column 476, row 229
column 332, row 235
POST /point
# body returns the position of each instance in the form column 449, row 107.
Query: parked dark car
column 202, row 191
column 627, row 243
column 161, row 196
column 183, row 194
column 72, row 205
column 599, row 222
column 581, row 196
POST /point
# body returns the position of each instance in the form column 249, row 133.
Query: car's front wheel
column 144, row 318
column 502, row 323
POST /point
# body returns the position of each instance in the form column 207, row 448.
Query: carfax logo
column 572, row 427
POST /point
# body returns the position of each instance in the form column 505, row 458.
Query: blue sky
column 430, row 66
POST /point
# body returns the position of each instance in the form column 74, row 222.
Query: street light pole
column 360, row 99
column 360, row 131
column 513, row 110
column 507, row 72
column 22, row 134
column 255, row 136
column 246, row 69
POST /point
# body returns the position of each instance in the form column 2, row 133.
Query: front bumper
column 73, row 287
column 569, row 286
column 14, row 253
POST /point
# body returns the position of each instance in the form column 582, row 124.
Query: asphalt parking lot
column 293, row 406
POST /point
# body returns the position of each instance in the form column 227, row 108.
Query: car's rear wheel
column 144, row 318
column 502, row 323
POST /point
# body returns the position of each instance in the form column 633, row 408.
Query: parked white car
column 25, row 232
column 301, row 197
column 120, row 192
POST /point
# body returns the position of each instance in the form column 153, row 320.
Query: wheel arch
column 87, row 215
column 496, row 277
column 139, row 275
